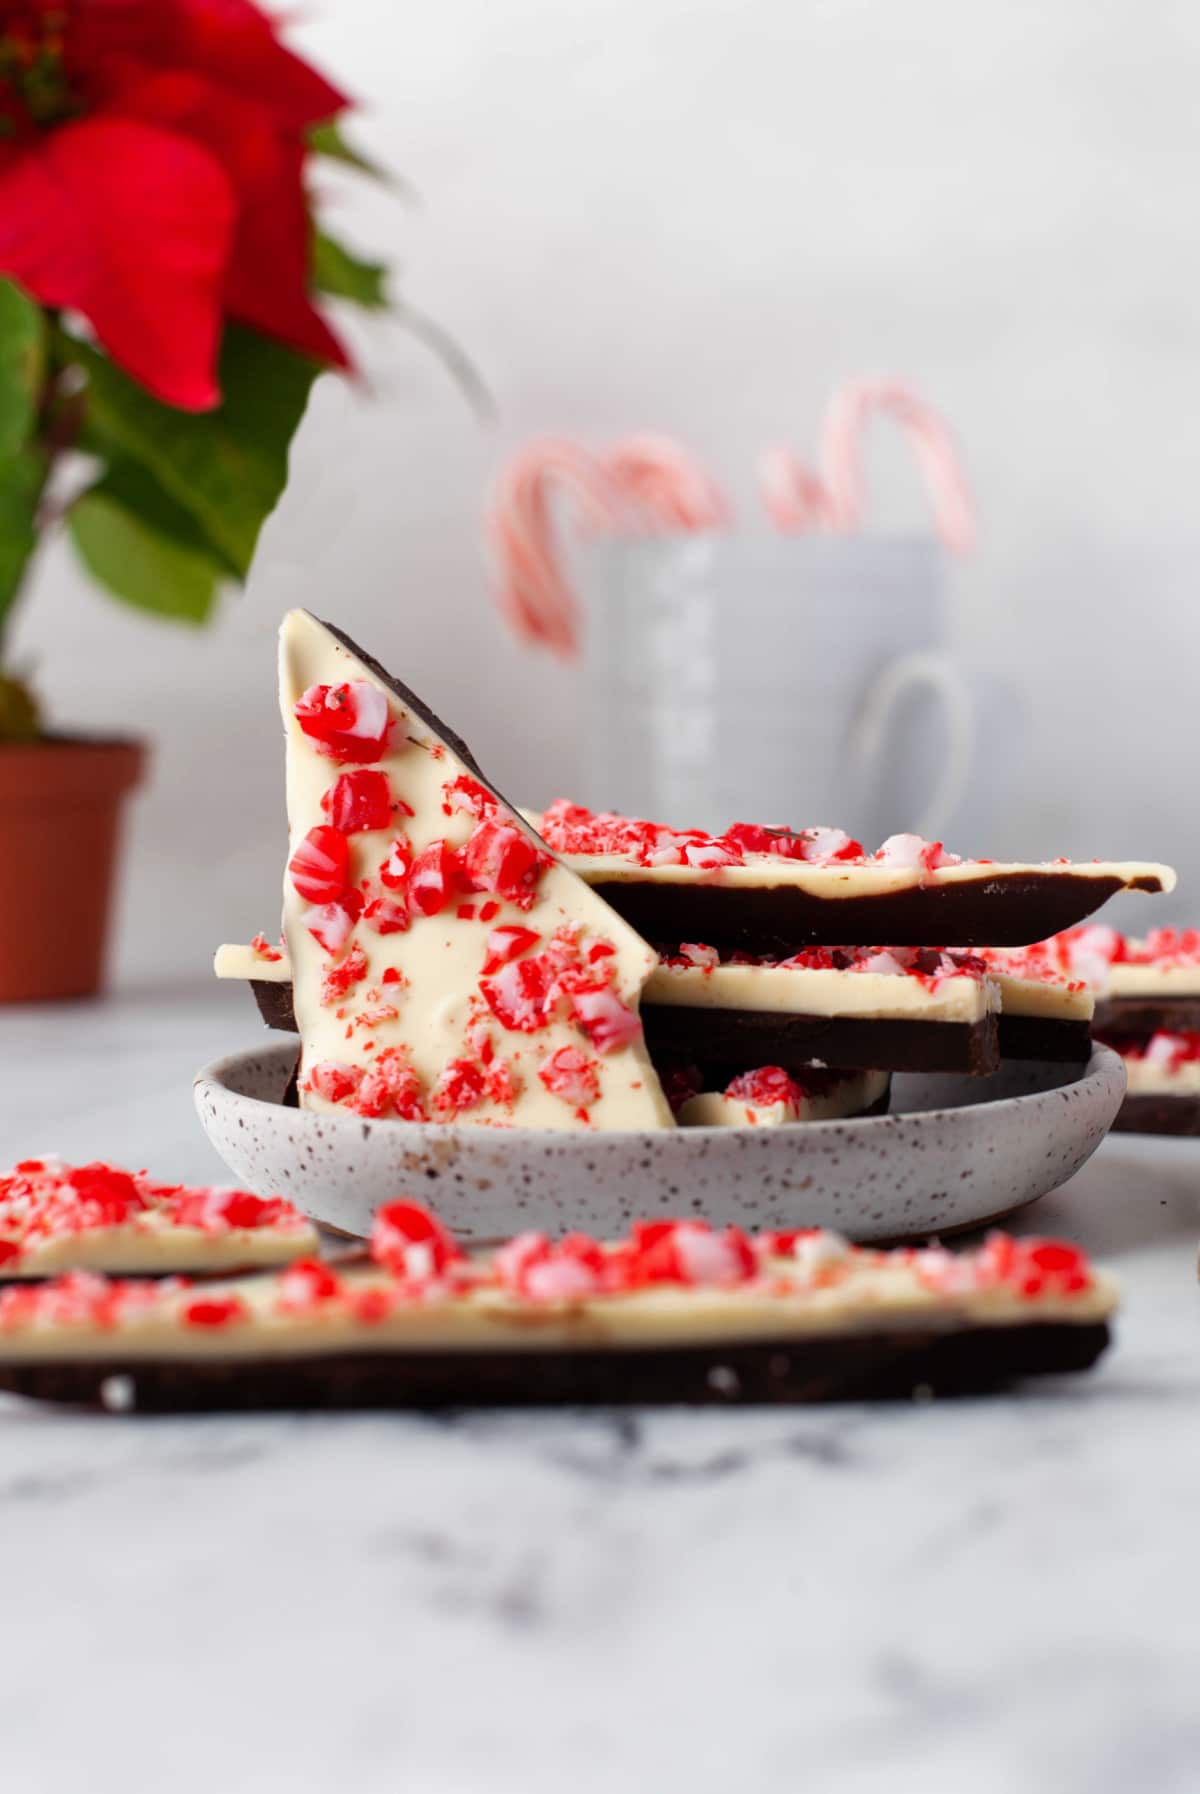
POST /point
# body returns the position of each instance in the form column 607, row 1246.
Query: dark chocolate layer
column 993, row 910
column 1153, row 1114
column 1045, row 1037
column 1137, row 1018
column 749, row 1037
column 275, row 1004
column 889, row 1365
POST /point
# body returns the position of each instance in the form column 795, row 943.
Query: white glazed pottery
column 954, row 1152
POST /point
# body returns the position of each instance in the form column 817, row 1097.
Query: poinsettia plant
column 160, row 272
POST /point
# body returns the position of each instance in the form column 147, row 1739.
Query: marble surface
column 988, row 1596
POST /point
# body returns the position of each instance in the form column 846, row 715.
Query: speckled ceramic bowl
column 953, row 1152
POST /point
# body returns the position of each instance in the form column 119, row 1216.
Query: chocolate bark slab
column 750, row 1037
column 996, row 909
column 888, row 1365
column 1138, row 1017
column 1152, row 1113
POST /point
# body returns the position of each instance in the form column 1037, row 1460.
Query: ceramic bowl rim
column 1095, row 1075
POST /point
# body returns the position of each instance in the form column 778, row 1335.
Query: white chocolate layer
column 239, row 961
column 1147, row 1078
column 153, row 1247
column 801, row 991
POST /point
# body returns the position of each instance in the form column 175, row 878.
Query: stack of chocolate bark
column 1147, row 1007
column 439, row 963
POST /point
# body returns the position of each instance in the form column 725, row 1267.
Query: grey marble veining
column 968, row 1598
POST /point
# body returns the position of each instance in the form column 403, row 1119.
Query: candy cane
column 531, row 587
column 795, row 496
column 660, row 476
column 841, row 455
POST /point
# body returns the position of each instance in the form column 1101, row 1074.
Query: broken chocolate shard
column 996, row 909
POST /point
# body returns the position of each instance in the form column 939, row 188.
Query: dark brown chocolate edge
column 721, row 1037
column 993, row 910
column 275, row 1004
column 1140, row 1017
column 1052, row 1039
column 432, row 721
column 1149, row 1113
column 894, row 1365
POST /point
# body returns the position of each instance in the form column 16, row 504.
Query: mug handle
column 942, row 677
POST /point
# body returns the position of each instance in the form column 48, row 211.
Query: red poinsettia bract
column 152, row 159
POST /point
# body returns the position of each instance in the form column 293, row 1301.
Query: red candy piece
column 466, row 793
column 320, row 866
column 504, row 944
column 359, row 802
column 306, row 1285
column 461, row 1086
column 433, row 879
column 571, row 1075
column 500, row 858
column 215, row 1311
column 688, row 1252
column 348, row 722
column 338, row 979
column 541, row 1271
column 112, row 1196
column 331, row 924
column 521, row 995
column 605, row 1019
column 396, row 868
column 411, row 1243
column 387, row 915
column 334, row 1081
column 215, row 1210
column 390, row 1085
column 769, row 1084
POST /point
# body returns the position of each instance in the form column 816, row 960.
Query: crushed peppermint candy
column 573, row 829
column 414, row 1258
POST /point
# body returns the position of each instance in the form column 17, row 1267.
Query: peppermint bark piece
column 56, row 1217
column 771, row 890
column 679, row 1311
column 445, row 965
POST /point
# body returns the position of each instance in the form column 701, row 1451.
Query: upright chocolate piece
column 445, row 967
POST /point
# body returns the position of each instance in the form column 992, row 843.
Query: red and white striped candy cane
column 849, row 412
column 671, row 488
column 796, row 497
column 532, row 590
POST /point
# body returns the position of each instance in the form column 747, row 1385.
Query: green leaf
column 346, row 276
column 22, row 478
column 144, row 548
column 22, row 366
column 226, row 468
column 327, row 140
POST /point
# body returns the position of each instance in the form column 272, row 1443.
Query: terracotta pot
column 60, row 813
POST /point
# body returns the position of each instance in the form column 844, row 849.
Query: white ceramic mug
column 783, row 680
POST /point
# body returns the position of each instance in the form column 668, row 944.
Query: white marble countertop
column 973, row 1598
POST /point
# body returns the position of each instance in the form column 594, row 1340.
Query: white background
column 699, row 217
